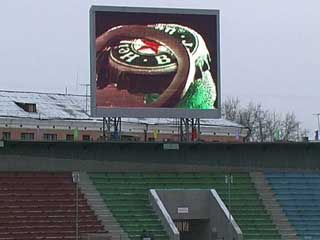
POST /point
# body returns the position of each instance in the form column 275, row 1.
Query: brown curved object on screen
column 172, row 95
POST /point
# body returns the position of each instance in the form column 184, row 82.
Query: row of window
column 46, row 137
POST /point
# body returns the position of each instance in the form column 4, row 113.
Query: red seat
column 42, row 205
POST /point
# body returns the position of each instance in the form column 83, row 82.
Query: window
column 69, row 137
column 182, row 225
column 27, row 136
column 31, row 107
column 50, row 137
column 129, row 138
column 85, row 137
column 6, row 135
column 28, row 107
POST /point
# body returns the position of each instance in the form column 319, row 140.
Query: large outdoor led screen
column 154, row 62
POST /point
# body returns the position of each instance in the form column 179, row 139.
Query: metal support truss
column 189, row 129
column 112, row 128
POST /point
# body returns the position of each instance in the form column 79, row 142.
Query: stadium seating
column 42, row 206
column 299, row 196
column 126, row 195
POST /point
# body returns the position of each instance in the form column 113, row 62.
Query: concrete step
column 273, row 207
column 95, row 199
column 108, row 219
column 101, row 210
column 283, row 224
column 89, row 191
column 104, row 212
column 290, row 237
column 86, row 186
column 114, row 228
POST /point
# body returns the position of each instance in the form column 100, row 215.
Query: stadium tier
column 299, row 196
column 43, row 206
column 126, row 195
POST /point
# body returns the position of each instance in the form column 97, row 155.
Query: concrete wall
column 197, row 204
column 204, row 210
column 114, row 156
column 196, row 201
column 222, row 220
column 163, row 214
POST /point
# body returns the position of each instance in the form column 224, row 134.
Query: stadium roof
column 70, row 107
column 48, row 105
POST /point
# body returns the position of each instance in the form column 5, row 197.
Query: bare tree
column 303, row 133
column 260, row 124
column 290, row 126
column 230, row 109
column 273, row 124
column 248, row 118
column 263, row 125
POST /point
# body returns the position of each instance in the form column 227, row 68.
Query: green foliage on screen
column 200, row 95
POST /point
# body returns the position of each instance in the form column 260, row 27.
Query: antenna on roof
column 86, row 85
column 77, row 83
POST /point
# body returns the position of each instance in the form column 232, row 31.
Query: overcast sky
column 270, row 49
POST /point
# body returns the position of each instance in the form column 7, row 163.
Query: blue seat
column 299, row 195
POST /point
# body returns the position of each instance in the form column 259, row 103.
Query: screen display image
column 147, row 59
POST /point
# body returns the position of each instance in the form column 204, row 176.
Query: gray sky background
column 270, row 49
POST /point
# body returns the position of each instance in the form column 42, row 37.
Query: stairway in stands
column 126, row 195
column 42, row 206
column 299, row 195
column 273, row 207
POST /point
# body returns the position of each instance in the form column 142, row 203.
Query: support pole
column 114, row 128
column 76, row 180
column 180, row 130
column 229, row 181
column 109, row 128
column 104, row 128
column 199, row 129
column 189, row 129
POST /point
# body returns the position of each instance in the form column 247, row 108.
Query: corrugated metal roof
column 68, row 106
column 49, row 105
column 209, row 122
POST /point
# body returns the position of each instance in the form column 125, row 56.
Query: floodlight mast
column 228, row 182
column 87, row 86
column 318, row 119
column 76, row 180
